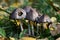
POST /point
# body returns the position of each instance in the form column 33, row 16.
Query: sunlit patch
column 11, row 38
column 31, row 23
column 1, row 17
column 51, row 28
column 28, row 38
column 38, row 24
column 15, row 5
column 12, row 20
column 2, row 13
column 27, row 21
column 18, row 22
column 45, row 25
column 53, row 19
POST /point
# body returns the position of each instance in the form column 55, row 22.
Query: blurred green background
column 7, row 26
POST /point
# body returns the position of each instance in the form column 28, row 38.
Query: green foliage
column 58, row 17
column 22, row 34
column 10, row 9
column 44, row 7
column 2, row 32
column 45, row 33
column 51, row 38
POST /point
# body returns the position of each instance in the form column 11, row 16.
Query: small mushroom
column 43, row 18
column 31, row 15
column 29, row 30
column 18, row 14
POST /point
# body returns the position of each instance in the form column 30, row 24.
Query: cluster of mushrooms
column 32, row 17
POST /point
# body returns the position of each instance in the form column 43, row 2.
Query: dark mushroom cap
column 43, row 19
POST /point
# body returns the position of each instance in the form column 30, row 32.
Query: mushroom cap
column 47, row 19
column 43, row 18
column 18, row 14
column 31, row 13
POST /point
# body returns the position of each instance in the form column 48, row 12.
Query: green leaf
column 2, row 32
column 51, row 38
column 22, row 33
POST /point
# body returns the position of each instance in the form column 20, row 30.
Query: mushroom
column 29, row 30
column 45, row 19
column 18, row 14
column 31, row 15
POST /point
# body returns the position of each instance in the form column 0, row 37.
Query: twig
column 4, row 11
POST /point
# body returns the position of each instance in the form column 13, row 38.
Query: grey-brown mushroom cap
column 18, row 13
column 31, row 13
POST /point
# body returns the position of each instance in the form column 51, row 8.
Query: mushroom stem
column 38, row 28
column 21, row 25
column 32, row 30
column 29, row 29
column 32, row 27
